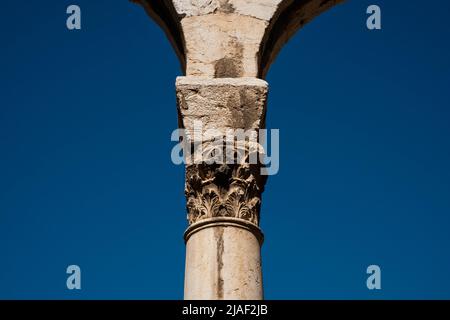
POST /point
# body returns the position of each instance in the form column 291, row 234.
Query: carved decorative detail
column 218, row 190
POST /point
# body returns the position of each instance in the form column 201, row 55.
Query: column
column 223, row 239
column 225, row 48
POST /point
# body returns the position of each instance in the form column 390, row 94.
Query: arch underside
column 286, row 20
column 165, row 15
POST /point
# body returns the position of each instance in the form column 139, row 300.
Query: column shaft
column 223, row 261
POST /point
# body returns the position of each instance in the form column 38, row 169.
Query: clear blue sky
column 86, row 176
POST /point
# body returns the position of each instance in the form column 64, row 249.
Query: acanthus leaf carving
column 224, row 190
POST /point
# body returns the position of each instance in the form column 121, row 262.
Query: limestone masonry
column 225, row 48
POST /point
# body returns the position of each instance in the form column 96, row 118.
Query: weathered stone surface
column 231, row 38
column 218, row 190
column 261, row 9
column 223, row 261
column 222, row 104
column 226, row 190
column 223, row 45
column 195, row 7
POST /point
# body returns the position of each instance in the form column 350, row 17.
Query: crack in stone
column 218, row 233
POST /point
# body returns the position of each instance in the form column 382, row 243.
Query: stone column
column 225, row 49
column 223, row 239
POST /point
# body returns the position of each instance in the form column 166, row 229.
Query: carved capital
column 224, row 190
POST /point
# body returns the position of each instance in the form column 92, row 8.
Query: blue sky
column 86, row 176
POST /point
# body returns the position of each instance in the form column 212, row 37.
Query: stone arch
column 224, row 47
column 290, row 17
column 164, row 14
column 274, row 22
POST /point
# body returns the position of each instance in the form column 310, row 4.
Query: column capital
column 222, row 118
